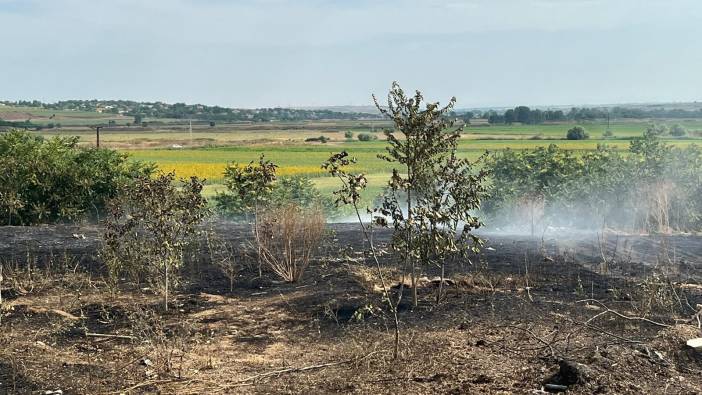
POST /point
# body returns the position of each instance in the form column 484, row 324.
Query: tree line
column 529, row 116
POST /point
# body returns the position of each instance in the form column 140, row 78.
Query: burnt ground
column 511, row 319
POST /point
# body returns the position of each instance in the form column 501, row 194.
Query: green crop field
column 296, row 158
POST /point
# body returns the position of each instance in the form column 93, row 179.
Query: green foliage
column 652, row 187
column 352, row 184
column 348, row 134
column 47, row 181
column 248, row 186
column 300, row 191
column 656, row 130
column 678, row 130
column 524, row 115
column 533, row 175
column 20, row 124
column 321, row 139
column 577, row 133
column 256, row 185
column 366, row 137
column 440, row 191
column 149, row 225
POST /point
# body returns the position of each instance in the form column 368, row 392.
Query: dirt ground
column 607, row 315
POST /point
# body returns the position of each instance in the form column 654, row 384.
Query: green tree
column 510, row 117
column 678, row 130
column 366, row 137
column 530, row 181
column 522, row 114
column 577, row 133
column 432, row 191
column 248, row 187
column 300, row 191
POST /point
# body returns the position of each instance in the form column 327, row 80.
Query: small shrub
column 577, row 133
column 656, row 130
column 366, row 137
column 320, row 139
column 256, row 186
column 300, row 191
column 149, row 225
column 608, row 134
column 678, row 130
column 287, row 239
column 248, row 187
column 348, row 134
column 223, row 256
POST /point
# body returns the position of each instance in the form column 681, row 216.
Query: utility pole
column 191, row 132
column 608, row 120
column 97, row 135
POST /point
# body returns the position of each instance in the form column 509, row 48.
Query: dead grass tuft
column 288, row 237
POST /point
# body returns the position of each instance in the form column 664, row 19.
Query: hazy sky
column 261, row 53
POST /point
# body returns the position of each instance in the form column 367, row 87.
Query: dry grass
column 287, row 239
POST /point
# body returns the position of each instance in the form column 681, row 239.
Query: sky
column 266, row 53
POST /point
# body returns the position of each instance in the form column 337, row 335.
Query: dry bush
column 657, row 200
column 166, row 344
column 287, row 238
column 223, row 255
column 658, row 294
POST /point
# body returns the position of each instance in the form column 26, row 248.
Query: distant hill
column 160, row 110
column 344, row 109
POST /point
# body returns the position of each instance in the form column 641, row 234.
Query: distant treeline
column 526, row 115
column 190, row 111
column 16, row 124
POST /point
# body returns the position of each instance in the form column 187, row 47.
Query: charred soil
column 593, row 315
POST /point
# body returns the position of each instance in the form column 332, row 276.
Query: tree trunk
column 258, row 242
column 368, row 234
column 166, row 293
column 409, row 257
column 1, row 293
column 532, row 218
column 441, row 283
